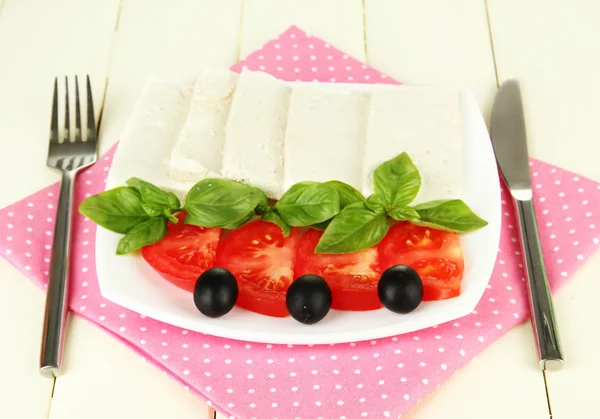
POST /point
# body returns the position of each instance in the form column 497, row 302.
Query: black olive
column 400, row 289
column 308, row 299
column 215, row 292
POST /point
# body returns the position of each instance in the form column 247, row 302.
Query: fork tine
column 77, row 112
column 91, row 116
column 67, row 133
column 54, row 120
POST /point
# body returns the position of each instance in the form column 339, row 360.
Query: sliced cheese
column 425, row 123
column 198, row 152
column 150, row 134
column 253, row 150
column 325, row 135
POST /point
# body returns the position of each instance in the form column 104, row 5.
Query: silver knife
column 509, row 140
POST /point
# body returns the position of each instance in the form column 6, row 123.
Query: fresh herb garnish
column 350, row 222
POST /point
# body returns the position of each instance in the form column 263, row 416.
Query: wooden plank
column 340, row 22
column 558, row 70
column 38, row 41
column 433, row 42
column 152, row 37
column 550, row 47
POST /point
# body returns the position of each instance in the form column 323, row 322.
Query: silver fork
column 69, row 157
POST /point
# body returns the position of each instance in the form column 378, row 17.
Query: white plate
column 130, row 282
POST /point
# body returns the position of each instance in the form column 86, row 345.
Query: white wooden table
column 553, row 47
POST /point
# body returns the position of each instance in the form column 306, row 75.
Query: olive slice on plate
column 400, row 289
column 215, row 292
column 308, row 299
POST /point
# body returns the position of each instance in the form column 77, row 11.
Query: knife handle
column 540, row 300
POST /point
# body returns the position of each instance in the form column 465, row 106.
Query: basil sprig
column 350, row 222
column 396, row 183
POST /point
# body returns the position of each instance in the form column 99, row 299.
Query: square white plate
column 130, row 282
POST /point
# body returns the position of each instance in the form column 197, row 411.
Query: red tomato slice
column 184, row 253
column 352, row 277
column 436, row 255
column 262, row 261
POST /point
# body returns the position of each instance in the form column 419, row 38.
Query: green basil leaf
column 119, row 209
column 143, row 234
column 377, row 203
column 397, row 181
column 403, row 213
column 237, row 224
column 307, row 203
column 219, row 202
column 347, row 193
column 356, row 228
column 451, row 215
column 153, row 210
column 272, row 217
column 153, row 195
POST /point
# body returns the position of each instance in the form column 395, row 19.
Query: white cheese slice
column 198, row 152
column 325, row 135
column 253, row 151
column 151, row 132
column 425, row 123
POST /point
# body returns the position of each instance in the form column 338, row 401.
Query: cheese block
column 254, row 134
column 150, row 134
column 198, row 152
column 425, row 123
column 325, row 135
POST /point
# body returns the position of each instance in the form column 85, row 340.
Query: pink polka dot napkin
column 375, row 379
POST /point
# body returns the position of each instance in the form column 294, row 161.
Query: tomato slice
column 352, row 277
column 184, row 253
column 262, row 260
column 436, row 255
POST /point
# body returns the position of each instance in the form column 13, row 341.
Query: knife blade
column 509, row 141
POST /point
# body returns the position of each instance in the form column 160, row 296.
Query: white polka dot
column 459, row 336
column 480, row 339
column 406, row 397
column 403, row 380
column 444, row 366
column 356, row 371
column 248, row 361
column 291, row 360
column 292, row 374
column 28, row 268
column 8, row 251
column 318, row 403
column 165, row 356
column 10, row 225
column 336, row 372
column 186, row 358
column 422, row 364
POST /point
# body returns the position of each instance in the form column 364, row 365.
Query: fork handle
column 55, row 316
column 540, row 300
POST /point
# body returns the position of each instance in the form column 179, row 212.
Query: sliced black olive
column 400, row 289
column 308, row 299
column 215, row 292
